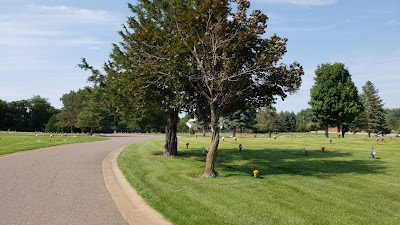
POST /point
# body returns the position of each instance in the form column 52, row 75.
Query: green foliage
column 40, row 111
column 334, row 97
column 266, row 119
column 243, row 119
column 73, row 103
column 26, row 115
column 190, row 55
column 360, row 123
column 90, row 117
column 393, row 118
column 287, row 121
column 143, row 120
column 343, row 185
column 375, row 114
column 4, row 119
column 51, row 125
column 191, row 131
column 229, row 60
column 306, row 121
column 312, row 126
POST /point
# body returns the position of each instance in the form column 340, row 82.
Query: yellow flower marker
column 255, row 173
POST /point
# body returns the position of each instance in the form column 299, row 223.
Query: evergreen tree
column 374, row 110
column 287, row 121
column 242, row 119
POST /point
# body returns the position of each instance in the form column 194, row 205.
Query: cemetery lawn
column 12, row 142
column 343, row 185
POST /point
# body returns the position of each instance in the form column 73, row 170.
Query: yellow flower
column 255, row 173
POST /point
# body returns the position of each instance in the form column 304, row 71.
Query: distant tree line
column 89, row 110
column 26, row 115
column 86, row 110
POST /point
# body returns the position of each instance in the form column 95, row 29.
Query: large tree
column 376, row 121
column 177, row 51
column 334, row 97
column 142, row 72
column 234, row 63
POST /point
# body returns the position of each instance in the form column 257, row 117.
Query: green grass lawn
column 343, row 185
column 11, row 142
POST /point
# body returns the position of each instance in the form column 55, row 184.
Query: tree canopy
column 232, row 62
column 197, row 54
column 26, row 115
column 73, row 103
column 334, row 97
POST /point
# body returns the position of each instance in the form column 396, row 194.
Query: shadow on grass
column 276, row 161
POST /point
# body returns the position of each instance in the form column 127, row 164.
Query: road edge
column 131, row 206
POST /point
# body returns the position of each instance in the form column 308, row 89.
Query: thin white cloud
column 43, row 25
column 299, row 2
column 75, row 14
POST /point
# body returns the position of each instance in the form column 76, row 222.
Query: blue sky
column 42, row 41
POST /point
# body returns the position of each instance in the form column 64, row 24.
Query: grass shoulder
column 11, row 142
column 342, row 185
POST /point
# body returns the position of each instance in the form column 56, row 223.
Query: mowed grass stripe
column 16, row 142
column 344, row 185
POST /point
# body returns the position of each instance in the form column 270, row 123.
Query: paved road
column 59, row 185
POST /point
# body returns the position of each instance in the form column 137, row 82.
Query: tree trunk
column 234, row 132
column 171, row 141
column 326, row 132
column 204, row 129
column 212, row 152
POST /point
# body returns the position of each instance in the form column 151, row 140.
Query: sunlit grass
column 11, row 142
column 343, row 185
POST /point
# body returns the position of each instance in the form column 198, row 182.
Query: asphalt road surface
column 59, row 185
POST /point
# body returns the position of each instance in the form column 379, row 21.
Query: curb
column 132, row 207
